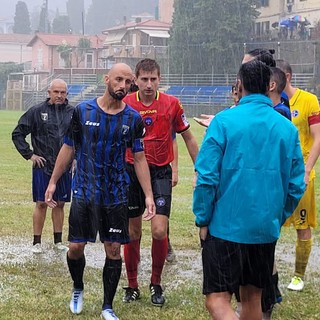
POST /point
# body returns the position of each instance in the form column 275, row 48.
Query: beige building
column 166, row 10
column 13, row 48
column 286, row 18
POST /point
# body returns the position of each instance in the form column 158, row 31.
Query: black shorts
column 228, row 265
column 161, row 181
column 86, row 219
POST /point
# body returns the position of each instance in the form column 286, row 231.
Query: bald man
column 47, row 123
column 100, row 132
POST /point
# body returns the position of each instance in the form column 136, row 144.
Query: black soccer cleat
column 157, row 297
column 131, row 294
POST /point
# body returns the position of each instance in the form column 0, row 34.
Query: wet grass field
column 39, row 286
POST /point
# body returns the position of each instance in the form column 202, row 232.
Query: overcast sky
column 8, row 7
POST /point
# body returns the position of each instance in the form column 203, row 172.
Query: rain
column 199, row 46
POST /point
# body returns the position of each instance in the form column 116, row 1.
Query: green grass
column 39, row 288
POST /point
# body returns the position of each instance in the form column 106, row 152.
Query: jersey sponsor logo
column 161, row 202
column 184, row 119
column 133, row 207
column 148, row 121
column 125, row 130
column 44, row 116
column 113, row 230
column 294, row 113
column 143, row 112
column 91, row 123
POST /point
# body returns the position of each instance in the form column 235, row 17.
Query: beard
column 119, row 95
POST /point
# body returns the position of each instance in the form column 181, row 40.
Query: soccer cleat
column 296, row 284
column 108, row 314
column 157, row 297
column 171, row 256
column 76, row 302
column 37, row 248
column 61, row 247
column 131, row 294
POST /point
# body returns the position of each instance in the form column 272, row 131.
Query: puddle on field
column 186, row 267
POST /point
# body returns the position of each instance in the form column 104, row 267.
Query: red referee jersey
column 164, row 116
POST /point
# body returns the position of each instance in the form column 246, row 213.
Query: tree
column 44, row 23
column 65, row 51
column 21, row 19
column 207, row 35
column 5, row 69
column 61, row 24
column 83, row 45
column 75, row 9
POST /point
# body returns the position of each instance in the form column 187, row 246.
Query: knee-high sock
column 111, row 277
column 76, row 269
column 303, row 249
column 132, row 258
column 158, row 252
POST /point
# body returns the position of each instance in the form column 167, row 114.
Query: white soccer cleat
column 61, row 247
column 37, row 248
column 108, row 314
column 296, row 284
column 76, row 302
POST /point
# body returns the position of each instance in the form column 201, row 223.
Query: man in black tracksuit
column 47, row 124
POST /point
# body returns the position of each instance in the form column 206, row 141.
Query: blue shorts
column 40, row 181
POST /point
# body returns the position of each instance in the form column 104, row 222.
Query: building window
column 264, row 3
column 258, row 29
column 89, row 60
column 290, row 1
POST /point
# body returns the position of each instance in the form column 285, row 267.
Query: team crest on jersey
column 294, row 113
column 44, row 116
column 161, row 202
column 184, row 119
column 125, row 130
column 148, row 121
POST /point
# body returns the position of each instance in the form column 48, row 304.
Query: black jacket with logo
column 47, row 124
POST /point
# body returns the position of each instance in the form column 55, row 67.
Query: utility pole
column 45, row 6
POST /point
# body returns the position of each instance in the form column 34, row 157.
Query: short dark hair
column 147, row 65
column 255, row 76
column 264, row 55
column 284, row 66
column 279, row 77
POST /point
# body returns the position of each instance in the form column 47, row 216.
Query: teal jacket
column 249, row 173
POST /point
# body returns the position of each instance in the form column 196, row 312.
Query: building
column 286, row 19
column 135, row 40
column 52, row 51
column 166, row 10
column 13, row 48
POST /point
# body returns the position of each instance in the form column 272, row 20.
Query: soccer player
column 47, row 124
column 305, row 113
column 100, row 132
column 244, row 193
column 162, row 114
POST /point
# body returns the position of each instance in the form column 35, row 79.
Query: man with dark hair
column 249, row 180
column 278, row 82
column 47, row 123
column 305, row 112
column 100, row 132
column 162, row 115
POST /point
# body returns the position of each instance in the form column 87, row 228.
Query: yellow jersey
column 305, row 111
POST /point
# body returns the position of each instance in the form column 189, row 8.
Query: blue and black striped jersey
column 100, row 140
